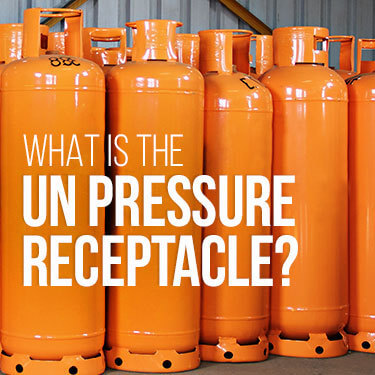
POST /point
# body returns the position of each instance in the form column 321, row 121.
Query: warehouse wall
column 340, row 16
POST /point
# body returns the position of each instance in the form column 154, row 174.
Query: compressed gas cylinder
column 238, row 141
column 187, row 48
column 310, row 142
column 263, row 59
column 50, row 329
column 154, row 328
column 56, row 42
column 105, row 57
column 361, row 325
column 346, row 56
column 11, row 43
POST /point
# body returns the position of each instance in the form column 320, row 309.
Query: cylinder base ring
column 17, row 364
column 229, row 350
column 317, row 346
column 161, row 361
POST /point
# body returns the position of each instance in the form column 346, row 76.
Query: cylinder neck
column 154, row 40
column 216, row 50
column 300, row 44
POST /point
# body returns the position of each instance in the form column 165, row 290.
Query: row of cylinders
column 163, row 329
column 287, row 42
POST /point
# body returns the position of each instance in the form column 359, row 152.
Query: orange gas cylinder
column 361, row 326
column 310, row 142
column 187, row 48
column 105, row 57
column 364, row 66
column 56, row 42
column 49, row 327
column 300, row 44
column 238, row 123
column 154, row 328
column 346, row 63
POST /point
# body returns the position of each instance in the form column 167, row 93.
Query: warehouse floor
column 353, row 363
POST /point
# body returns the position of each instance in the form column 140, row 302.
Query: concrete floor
column 352, row 363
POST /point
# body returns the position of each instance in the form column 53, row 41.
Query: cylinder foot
column 362, row 342
column 319, row 345
column 160, row 361
column 17, row 364
column 229, row 350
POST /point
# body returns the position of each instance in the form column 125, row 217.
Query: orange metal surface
column 310, row 142
column 129, row 52
column 56, row 42
column 241, row 52
column 263, row 58
column 152, row 328
column 346, row 64
column 187, row 49
column 263, row 54
column 47, row 330
column 11, row 41
column 365, row 66
column 238, row 116
column 361, row 326
column 105, row 57
column 300, row 44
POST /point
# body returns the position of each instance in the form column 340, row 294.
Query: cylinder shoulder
column 361, row 87
column 155, row 75
column 305, row 82
column 236, row 91
column 52, row 72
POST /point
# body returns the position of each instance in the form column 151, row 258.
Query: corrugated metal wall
column 340, row 16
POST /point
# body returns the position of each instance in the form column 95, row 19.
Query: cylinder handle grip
column 116, row 34
column 347, row 43
column 368, row 44
column 31, row 30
